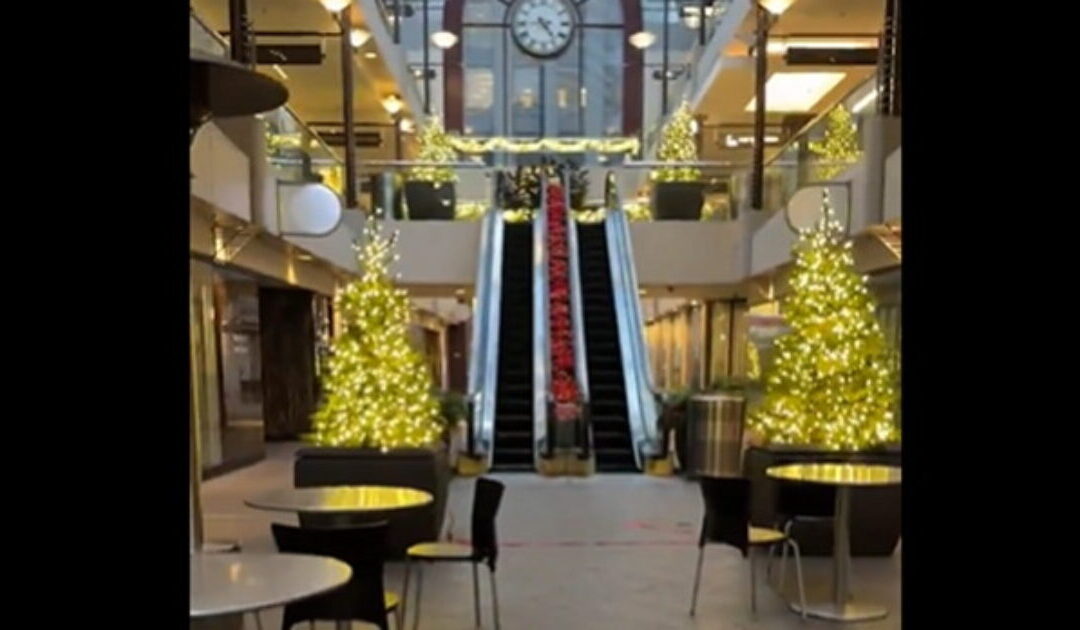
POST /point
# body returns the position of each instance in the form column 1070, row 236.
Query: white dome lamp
column 358, row 37
column 310, row 209
column 444, row 39
column 642, row 40
column 334, row 6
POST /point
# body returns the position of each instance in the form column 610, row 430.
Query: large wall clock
column 543, row 28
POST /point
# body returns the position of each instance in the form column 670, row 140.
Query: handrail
column 640, row 390
column 577, row 320
column 289, row 110
column 542, row 438
column 483, row 365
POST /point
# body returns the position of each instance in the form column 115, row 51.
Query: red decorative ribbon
column 563, row 384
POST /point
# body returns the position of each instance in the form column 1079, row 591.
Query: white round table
column 844, row 477
column 231, row 583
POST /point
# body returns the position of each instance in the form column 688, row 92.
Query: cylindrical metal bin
column 715, row 435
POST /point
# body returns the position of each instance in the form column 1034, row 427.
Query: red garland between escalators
column 563, row 382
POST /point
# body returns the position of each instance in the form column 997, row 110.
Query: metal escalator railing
column 642, row 405
column 542, row 440
column 483, row 364
column 577, row 320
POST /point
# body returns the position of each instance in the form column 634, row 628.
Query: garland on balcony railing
column 563, row 383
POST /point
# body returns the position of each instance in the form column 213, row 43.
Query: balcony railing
column 296, row 153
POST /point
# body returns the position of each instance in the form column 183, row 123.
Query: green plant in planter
column 435, row 146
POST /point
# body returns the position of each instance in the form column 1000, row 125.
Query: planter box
column 681, row 201
column 875, row 512
column 419, row 468
column 425, row 201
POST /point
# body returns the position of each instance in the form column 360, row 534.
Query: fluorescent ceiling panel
column 797, row 91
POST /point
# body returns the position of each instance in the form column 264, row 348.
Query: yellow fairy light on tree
column 840, row 146
column 377, row 389
column 833, row 381
column 435, row 146
column 677, row 144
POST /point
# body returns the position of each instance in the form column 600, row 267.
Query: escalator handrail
column 483, row 366
column 641, row 400
column 577, row 321
column 541, row 343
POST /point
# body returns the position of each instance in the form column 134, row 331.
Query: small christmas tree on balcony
column 677, row 145
column 377, row 388
column 435, row 147
column 832, row 383
column 840, row 146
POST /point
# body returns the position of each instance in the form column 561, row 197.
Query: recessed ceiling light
column 370, row 54
column 305, row 257
column 796, row 91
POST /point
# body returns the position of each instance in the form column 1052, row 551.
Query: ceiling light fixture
column 358, row 37
column 370, row 54
column 335, row 5
column 780, row 45
column 444, row 39
column 393, row 104
column 642, row 40
column 797, row 91
column 776, row 7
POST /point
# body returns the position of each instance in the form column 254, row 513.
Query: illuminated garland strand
column 549, row 145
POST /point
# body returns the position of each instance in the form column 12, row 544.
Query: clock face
column 542, row 28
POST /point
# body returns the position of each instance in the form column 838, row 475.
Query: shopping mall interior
column 545, row 314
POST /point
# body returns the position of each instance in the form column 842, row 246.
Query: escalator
column 513, row 443
column 612, row 440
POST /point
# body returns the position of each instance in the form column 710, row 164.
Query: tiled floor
column 609, row 551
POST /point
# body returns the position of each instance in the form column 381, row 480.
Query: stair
column 514, row 396
column 607, row 391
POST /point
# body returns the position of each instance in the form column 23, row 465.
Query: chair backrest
column 727, row 512
column 805, row 499
column 486, row 500
column 361, row 547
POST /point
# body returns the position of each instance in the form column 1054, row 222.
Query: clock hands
column 542, row 22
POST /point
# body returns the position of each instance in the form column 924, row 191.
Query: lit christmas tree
column 377, row 388
column 677, row 145
column 435, row 146
column 840, row 147
column 832, row 383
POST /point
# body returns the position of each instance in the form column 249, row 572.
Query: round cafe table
column 844, row 477
column 342, row 501
column 234, row 583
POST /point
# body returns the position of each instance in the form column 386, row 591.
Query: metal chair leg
column 419, row 592
column 258, row 619
column 404, row 595
column 783, row 558
column 798, row 575
column 494, row 597
column 697, row 579
column 753, row 580
column 476, row 591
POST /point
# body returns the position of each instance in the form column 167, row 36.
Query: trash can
column 715, row 435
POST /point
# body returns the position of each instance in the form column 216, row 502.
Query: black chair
column 802, row 503
column 483, row 548
column 727, row 521
column 363, row 597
